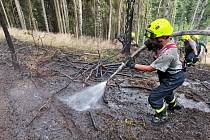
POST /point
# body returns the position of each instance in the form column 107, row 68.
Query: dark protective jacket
column 188, row 48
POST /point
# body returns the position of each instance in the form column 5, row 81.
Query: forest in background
column 103, row 18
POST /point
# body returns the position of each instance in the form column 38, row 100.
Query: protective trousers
column 164, row 92
column 190, row 57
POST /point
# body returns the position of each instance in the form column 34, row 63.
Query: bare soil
column 30, row 107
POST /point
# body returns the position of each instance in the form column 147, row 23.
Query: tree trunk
column 146, row 17
column 9, row 13
column 5, row 14
column 58, row 16
column 124, row 20
column 174, row 13
column 110, row 19
column 32, row 16
column 95, row 18
column 20, row 14
column 128, row 29
column 99, row 19
column 166, row 8
column 80, row 16
column 76, row 19
column 159, row 6
column 45, row 16
column 202, row 12
column 63, row 16
column 194, row 15
column 138, row 20
column 192, row 32
column 66, row 15
column 10, row 44
column 119, row 17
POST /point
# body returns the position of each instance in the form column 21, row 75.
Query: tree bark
column 76, row 19
column 99, row 19
column 124, row 20
column 202, row 12
column 166, row 8
column 32, row 16
column 194, row 15
column 10, row 44
column 110, row 19
column 80, row 16
column 58, row 16
column 128, row 29
column 63, row 16
column 20, row 14
column 5, row 14
column 45, row 16
column 174, row 13
column 95, row 18
column 191, row 32
column 66, row 15
column 139, row 20
column 119, row 17
column 159, row 6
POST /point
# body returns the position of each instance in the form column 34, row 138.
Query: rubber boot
column 174, row 106
column 160, row 117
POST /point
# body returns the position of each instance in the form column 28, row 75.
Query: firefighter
column 201, row 47
column 167, row 65
column 191, row 52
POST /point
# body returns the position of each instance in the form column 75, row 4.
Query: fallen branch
column 191, row 32
column 93, row 120
column 63, row 74
column 207, row 87
column 91, row 54
column 130, row 86
column 91, row 72
column 83, row 68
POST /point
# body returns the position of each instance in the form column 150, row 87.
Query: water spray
column 90, row 96
column 86, row 98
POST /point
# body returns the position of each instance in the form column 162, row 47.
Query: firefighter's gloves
column 130, row 62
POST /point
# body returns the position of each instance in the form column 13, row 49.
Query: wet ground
column 30, row 105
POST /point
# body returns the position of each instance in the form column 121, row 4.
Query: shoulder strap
column 170, row 46
column 167, row 47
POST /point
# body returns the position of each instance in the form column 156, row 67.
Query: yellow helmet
column 133, row 35
column 185, row 37
column 158, row 28
column 195, row 37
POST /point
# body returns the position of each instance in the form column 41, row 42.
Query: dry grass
column 60, row 40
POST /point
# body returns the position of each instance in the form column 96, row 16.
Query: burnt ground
column 30, row 107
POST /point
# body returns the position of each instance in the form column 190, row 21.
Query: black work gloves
column 206, row 51
column 130, row 62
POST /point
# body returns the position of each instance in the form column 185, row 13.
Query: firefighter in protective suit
column 167, row 65
column 191, row 52
column 201, row 47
